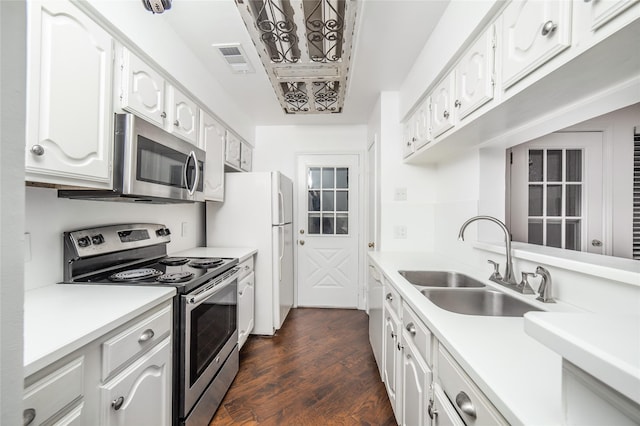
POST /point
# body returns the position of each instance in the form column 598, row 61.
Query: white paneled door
column 328, row 230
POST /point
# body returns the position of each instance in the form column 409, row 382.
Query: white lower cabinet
column 141, row 394
column 440, row 410
column 391, row 357
column 246, row 297
column 416, row 378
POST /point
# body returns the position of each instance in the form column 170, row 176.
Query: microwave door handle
column 191, row 156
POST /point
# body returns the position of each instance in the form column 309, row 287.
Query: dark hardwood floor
column 317, row 370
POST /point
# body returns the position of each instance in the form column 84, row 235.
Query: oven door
column 210, row 333
column 157, row 163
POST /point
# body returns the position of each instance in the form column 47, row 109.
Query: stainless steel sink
column 484, row 302
column 439, row 279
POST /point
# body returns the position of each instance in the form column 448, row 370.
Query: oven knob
column 84, row 242
column 97, row 239
column 163, row 232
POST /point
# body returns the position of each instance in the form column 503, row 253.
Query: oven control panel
column 113, row 238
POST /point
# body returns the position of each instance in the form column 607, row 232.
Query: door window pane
column 313, row 178
column 342, row 177
column 535, row 165
column 327, row 201
column 535, row 231
column 314, row 201
column 328, row 178
column 342, row 223
column 574, row 200
column 314, row 223
column 554, row 233
column 554, row 200
column 574, row 165
column 554, row 165
column 572, row 234
column 535, row 200
column 342, row 201
column 327, row 223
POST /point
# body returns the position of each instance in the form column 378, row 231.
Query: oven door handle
column 198, row 298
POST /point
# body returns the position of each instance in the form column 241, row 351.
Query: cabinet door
column 232, row 151
column 441, row 104
column 184, row 116
column 422, row 124
column 533, row 31
column 474, row 75
column 442, row 411
column 408, row 137
column 246, row 160
column 143, row 89
column 416, row 378
column 391, row 359
column 141, row 394
column 245, row 308
column 212, row 137
column 602, row 11
column 69, row 121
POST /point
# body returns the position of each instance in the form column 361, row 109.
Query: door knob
column 371, row 245
column 301, row 242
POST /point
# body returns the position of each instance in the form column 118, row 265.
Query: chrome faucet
column 509, row 278
column 544, row 290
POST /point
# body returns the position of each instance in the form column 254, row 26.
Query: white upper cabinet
column 533, row 31
column 232, row 150
column 442, row 100
column 184, row 116
column 475, row 75
column 246, row 157
column 602, row 11
column 212, row 138
column 142, row 89
column 69, row 121
column 408, row 137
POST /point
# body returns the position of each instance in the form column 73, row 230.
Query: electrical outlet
column 400, row 194
column 400, row 232
column 184, row 229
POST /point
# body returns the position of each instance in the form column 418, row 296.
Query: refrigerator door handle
column 280, row 207
column 281, row 251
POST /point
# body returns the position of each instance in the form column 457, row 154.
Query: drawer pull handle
column 411, row 328
column 389, row 297
column 146, row 336
column 466, row 406
column 28, row 416
column 37, row 150
column 548, row 28
column 117, row 403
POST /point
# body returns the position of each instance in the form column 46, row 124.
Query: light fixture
column 157, row 6
column 305, row 47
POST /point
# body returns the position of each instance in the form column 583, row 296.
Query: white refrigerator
column 257, row 212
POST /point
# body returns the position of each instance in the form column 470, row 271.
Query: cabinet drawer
column 464, row 393
column 246, row 268
column 392, row 297
column 52, row 393
column 134, row 340
column 418, row 333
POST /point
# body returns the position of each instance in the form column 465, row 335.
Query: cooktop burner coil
column 174, row 261
column 175, row 277
column 135, row 274
column 205, row 262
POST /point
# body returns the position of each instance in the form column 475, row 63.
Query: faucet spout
column 509, row 276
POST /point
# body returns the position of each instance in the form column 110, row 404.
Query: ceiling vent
column 235, row 56
column 305, row 47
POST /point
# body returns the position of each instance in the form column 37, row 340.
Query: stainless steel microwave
column 150, row 165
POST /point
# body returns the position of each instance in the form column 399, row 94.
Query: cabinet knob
column 117, row 403
column 548, row 28
column 176, row 123
column 37, row 150
column 28, row 416
column 445, row 114
column 411, row 328
column 301, row 242
column 163, row 115
column 146, row 336
column 389, row 297
column 457, row 103
column 466, row 406
column 371, row 245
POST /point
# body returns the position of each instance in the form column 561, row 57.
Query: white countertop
column 58, row 318
column 242, row 253
column 605, row 346
column 520, row 376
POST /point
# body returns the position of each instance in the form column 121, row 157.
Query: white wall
column 153, row 35
column 12, row 123
column 48, row 216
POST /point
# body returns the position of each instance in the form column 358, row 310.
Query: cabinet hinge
column 493, row 80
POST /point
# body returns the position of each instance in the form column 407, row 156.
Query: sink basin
column 483, row 302
column 439, row 279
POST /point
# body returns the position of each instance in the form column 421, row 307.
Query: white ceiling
column 389, row 36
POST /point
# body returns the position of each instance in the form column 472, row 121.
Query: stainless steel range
column 205, row 309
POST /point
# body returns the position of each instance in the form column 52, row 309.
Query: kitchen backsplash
column 48, row 216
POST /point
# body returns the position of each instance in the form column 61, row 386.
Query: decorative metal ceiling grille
column 305, row 47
